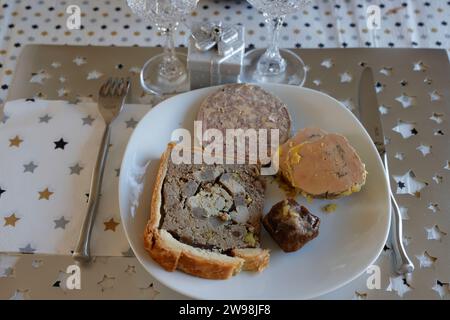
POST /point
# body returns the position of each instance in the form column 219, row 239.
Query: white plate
column 350, row 239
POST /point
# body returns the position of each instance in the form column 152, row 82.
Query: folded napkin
column 47, row 153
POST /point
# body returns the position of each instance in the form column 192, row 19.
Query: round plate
column 350, row 238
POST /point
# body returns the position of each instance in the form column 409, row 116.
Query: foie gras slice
column 327, row 167
column 302, row 136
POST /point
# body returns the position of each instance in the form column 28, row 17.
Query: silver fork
column 112, row 96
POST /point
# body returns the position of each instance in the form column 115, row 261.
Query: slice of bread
column 174, row 244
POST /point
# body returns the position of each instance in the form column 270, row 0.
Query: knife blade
column 369, row 116
column 368, row 110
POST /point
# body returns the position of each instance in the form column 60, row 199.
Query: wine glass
column 274, row 64
column 164, row 73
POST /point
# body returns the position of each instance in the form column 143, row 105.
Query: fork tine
column 111, row 86
column 112, row 90
column 102, row 88
column 115, row 87
column 125, row 86
column 105, row 88
column 119, row 87
column 121, row 84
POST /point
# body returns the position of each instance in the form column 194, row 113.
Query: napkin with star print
column 47, row 153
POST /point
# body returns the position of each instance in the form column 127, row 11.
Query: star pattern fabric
column 11, row 220
column 128, row 253
column 88, row 120
column 420, row 66
column 408, row 184
column 45, row 194
column 27, row 249
column 61, row 223
column 62, row 142
column 131, row 123
column 110, row 225
column 29, row 167
column 44, row 119
column 76, row 169
column 15, row 142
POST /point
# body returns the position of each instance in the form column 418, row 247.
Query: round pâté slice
column 325, row 166
column 245, row 106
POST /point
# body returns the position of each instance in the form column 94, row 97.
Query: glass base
column 294, row 74
column 152, row 82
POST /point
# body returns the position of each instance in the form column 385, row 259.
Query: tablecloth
column 322, row 24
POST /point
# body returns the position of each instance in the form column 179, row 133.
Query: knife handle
column 403, row 264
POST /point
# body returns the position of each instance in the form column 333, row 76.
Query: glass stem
column 275, row 25
column 271, row 62
column 171, row 68
column 169, row 47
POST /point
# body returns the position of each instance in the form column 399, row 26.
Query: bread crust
column 172, row 254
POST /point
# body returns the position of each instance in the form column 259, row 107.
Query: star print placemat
column 48, row 150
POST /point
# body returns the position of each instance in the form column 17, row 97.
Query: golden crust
column 172, row 254
column 256, row 259
column 208, row 268
column 165, row 255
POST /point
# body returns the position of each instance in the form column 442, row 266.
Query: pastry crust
column 172, row 254
column 256, row 259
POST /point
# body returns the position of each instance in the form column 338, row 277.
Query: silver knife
column 370, row 118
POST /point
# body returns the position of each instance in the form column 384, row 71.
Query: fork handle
column 403, row 264
column 82, row 250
